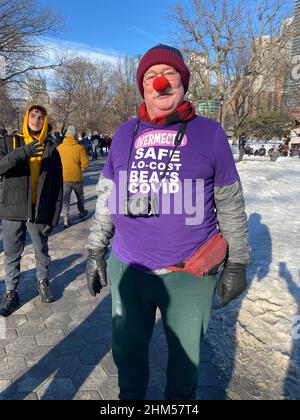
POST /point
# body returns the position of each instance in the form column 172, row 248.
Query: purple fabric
column 205, row 155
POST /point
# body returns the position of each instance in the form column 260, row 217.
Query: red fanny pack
column 207, row 260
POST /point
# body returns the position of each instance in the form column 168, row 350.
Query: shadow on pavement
column 74, row 361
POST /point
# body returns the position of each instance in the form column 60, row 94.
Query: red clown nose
column 160, row 84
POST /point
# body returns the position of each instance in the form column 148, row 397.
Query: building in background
column 270, row 90
column 202, row 89
column 296, row 36
column 292, row 84
column 296, row 58
column 35, row 90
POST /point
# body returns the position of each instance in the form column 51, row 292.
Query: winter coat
column 16, row 183
column 74, row 159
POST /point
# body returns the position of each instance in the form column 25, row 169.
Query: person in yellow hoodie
column 31, row 187
column 74, row 161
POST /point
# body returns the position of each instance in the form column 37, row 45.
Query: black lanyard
column 178, row 141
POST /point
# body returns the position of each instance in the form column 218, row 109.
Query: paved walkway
column 62, row 350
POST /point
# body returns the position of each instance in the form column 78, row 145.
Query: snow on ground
column 254, row 339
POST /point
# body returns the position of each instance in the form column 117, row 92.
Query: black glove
column 96, row 272
column 233, row 282
column 33, row 149
column 46, row 230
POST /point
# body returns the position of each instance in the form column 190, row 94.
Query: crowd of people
column 96, row 144
column 272, row 153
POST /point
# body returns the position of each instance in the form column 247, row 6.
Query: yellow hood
column 35, row 162
column 70, row 140
column 26, row 133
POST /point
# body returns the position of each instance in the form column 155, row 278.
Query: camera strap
column 136, row 129
column 178, row 141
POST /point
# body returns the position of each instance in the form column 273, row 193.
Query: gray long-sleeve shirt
column 232, row 219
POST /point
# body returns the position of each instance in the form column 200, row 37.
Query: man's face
column 36, row 120
column 166, row 102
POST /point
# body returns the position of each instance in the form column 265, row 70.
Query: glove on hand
column 96, row 272
column 233, row 282
column 33, row 149
column 47, row 230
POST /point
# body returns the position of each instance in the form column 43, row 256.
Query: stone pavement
column 62, row 351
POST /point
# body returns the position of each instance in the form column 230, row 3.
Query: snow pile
column 256, row 339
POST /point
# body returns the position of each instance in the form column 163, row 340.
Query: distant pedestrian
column 275, row 154
column 262, row 151
column 95, row 145
column 84, row 142
column 3, row 132
column 108, row 143
column 57, row 138
column 242, row 144
column 74, row 161
column 102, row 144
column 31, row 187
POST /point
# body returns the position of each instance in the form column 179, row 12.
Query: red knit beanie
column 163, row 54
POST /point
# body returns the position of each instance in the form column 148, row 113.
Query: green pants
column 185, row 303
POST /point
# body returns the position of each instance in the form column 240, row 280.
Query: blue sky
column 105, row 27
column 114, row 27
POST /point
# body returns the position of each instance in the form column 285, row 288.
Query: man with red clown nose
column 166, row 259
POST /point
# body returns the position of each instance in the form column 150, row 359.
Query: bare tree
column 22, row 24
column 236, row 50
column 7, row 111
column 82, row 94
column 95, row 96
column 126, row 97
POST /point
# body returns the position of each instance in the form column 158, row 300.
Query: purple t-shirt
column 187, row 216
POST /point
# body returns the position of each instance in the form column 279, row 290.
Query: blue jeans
column 77, row 187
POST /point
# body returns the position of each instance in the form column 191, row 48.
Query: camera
column 141, row 207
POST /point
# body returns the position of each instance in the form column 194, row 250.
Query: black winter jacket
column 15, row 183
